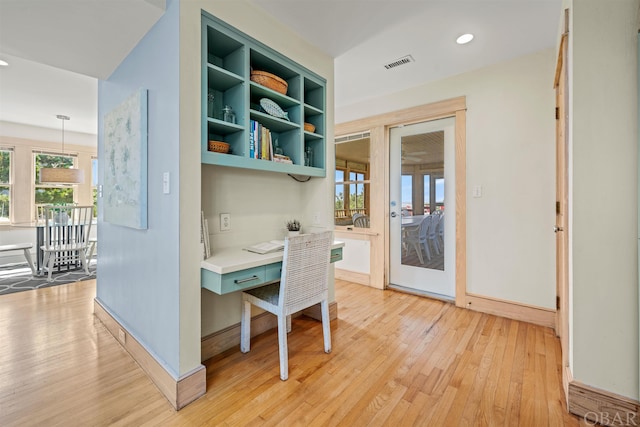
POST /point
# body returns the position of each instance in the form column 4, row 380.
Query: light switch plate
column 166, row 183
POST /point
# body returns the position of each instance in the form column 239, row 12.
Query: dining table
column 410, row 221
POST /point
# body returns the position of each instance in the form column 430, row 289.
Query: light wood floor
column 397, row 360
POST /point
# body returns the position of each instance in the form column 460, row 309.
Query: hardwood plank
column 397, row 359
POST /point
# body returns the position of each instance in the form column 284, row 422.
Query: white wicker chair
column 66, row 235
column 303, row 283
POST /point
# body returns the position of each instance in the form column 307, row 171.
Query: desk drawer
column 244, row 279
column 232, row 282
column 273, row 271
column 336, row 255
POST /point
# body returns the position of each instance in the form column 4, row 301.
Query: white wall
column 510, row 153
column 256, row 211
column 356, row 255
column 604, row 139
column 259, row 203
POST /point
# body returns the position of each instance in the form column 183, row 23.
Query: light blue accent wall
column 138, row 280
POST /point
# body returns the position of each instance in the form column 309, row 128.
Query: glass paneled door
column 422, row 208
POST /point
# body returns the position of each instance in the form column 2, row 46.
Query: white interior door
column 422, row 208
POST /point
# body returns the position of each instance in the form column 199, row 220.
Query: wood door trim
column 562, row 206
column 560, row 60
column 461, row 208
column 407, row 116
column 379, row 127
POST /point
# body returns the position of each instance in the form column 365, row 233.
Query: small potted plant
column 294, row 227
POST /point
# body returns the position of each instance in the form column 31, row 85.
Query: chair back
column 67, row 227
column 424, row 226
column 305, row 271
column 362, row 221
column 433, row 225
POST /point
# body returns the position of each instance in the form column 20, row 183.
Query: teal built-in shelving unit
column 228, row 56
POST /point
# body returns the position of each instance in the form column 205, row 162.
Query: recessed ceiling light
column 3, row 63
column 464, row 39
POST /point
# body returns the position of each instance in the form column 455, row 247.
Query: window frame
column 9, row 184
column 35, row 185
column 349, row 168
column 94, row 185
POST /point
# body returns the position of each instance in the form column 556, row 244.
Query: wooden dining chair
column 66, row 236
column 303, row 283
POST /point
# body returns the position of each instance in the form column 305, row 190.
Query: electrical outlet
column 225, row 222
column 122, row 336
column 316, row 218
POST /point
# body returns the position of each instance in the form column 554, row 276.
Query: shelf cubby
column 228, row 56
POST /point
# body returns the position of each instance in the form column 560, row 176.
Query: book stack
column 281, row 158
column 260, row 142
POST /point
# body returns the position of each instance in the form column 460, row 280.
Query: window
column 439, row 194
column 357, row 193
column 427, row 194
column 94, row 185
column 351, row 178
column 351, row 196
column 5, row 184
column 340, row 211
column 407, row 195
column 52, row 193
column 433, row 185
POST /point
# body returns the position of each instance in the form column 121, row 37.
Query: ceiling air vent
column 398, row 62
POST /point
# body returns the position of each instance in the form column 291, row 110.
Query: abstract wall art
column 125, row 151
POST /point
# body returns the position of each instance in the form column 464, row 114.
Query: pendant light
column 61, row 175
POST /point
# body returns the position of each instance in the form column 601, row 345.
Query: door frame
column 562, row 204
column 379, row 127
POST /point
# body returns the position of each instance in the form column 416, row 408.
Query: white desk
column 234, row 269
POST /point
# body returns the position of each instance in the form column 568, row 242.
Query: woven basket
column 218, row 146
column 269, row 80
column 309, row 127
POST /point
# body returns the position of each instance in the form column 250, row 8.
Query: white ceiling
column 363, row 35
column 57, row 49
column 91, row 37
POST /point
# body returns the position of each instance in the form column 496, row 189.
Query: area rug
column 17, row 278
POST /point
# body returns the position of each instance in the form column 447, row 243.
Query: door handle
column 394, row 214
column 557, row 228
